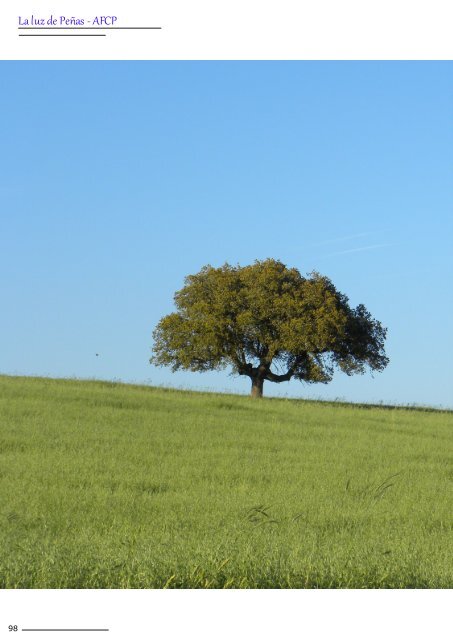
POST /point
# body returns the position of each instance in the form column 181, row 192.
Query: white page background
column 223, row 615
column 237, row 30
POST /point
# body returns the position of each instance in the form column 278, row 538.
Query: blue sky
column 119, row 178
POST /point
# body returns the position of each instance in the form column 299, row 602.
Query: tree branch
column 245, row 369
column 273, row 377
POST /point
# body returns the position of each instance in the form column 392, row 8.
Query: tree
column 267, row 322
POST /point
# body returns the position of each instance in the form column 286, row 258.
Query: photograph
column 226, row 325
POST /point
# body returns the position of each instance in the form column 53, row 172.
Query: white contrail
column 367, row 248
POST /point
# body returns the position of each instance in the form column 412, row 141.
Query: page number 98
column 12, row 627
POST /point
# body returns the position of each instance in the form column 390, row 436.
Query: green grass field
column 106, row 485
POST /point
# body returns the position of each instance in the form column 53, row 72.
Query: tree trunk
column 257, row 387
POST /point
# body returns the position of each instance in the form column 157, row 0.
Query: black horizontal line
column 86, row 28
column 62, row 35
column 65, row 629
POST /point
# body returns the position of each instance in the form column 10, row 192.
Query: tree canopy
column 268, row 322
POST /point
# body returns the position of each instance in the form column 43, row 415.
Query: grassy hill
column 108, row 485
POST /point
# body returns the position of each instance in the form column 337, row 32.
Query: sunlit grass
column 106, row 485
